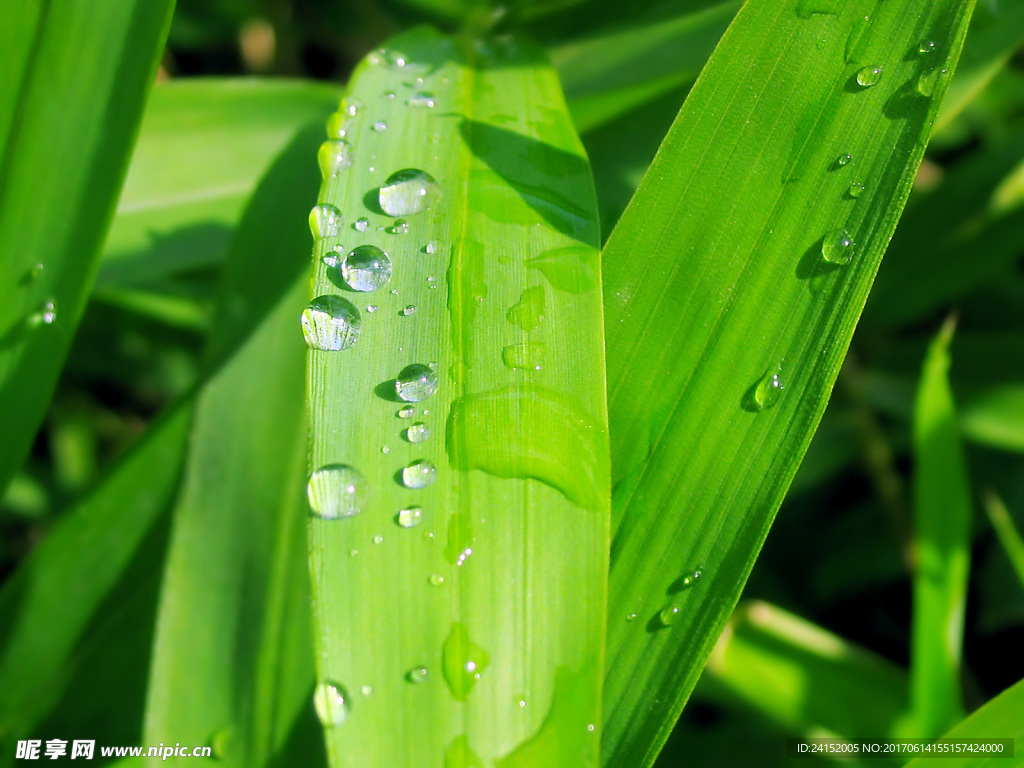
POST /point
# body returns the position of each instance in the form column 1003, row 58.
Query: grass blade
column 996, row 418
column 725, row 272
column 517, row 428
column 942, row 526
column 52, row 224
column 1007, row 532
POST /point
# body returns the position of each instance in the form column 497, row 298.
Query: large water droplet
column 409, row 517
column 766, row 392
column 330, row 323
column 407, row 192
column 336, row 490
column 837, row 247
column 416, row 382
column 868, row 76
column 331, row 703
column 668, row 615
column 417, row 675
column 422, row 99
column 463, row 661
column 928, row 81
column 419, row 474
column 417, row 433
column 366, row 268
column 325, row 220
column 856, row 189
column 334, row 156
column 844, row 159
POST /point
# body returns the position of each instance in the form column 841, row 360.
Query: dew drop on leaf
column 407, row 192
column 868, row 76
column 856, row 189
column 331, row 703
column 416, row 383
column 409, row 517
column 366, row 268
column 324, row 220
column 334, row 156
column 419, row 474
column 417, row 675
column 837, row 247
column 330, row 323
column 417, row 432
column 336, row 490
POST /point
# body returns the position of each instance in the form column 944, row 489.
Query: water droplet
column 334, row 156
column 668, row 615
column 928, row 81
column 366, row 690
column 631, row 617
column 419, row 474
column 837, row 247
column 46, row 315
column 927, row 47
column 336, row 490
column 361, row 224
column 330, row 323
column 529, row 355
column 417, row 433
column 521, row 702
column 337, row 126
column 844, row 159
column 856, row 189
column 417, row 675
column 324, row 220
column 409, row 310
column 378, row 540
column 353, row 553
column 407, row 192
column 331, row 703
column 400, row 227
column 409, row 517
column 406, row 413
column 389, row 95
column 422, row 99
column 35, row 271
column 224, row 742
column 366, row 268
column 431, row 247
column 591, row 728
column 868, row 76
column 380, row 126
column 436, row 579
column 351, row 105
column 766, row 392
column 416, row 383
column 529, row 311
column 463, row 661
column 372, row 308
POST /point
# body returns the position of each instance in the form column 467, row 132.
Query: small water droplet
column 409, row 517
column 408, row 191
column 856, row 189
column 928, row 81
column 837, row 247
column 385, row 450
column 668, row 615
column 521, row 702
column 416, row 383
column 333, row 157
column 366, row 268
column 591, row 727
column 366, row 690
column 330, row 323
column 419, row 474
column 35, row 271
column 406, row 413
column 868, row 76
column 417, row 675
column 436, row 579
column 46, row 315
column 422, row 99
column 336, row 490
column 766, row 392
column 631, row 617
column 331, row 703
column 353, row 552
column 351, row 105
column 361, row 224
column 927, row 47
column 378, row 540
column 324, row 220
column 431, row 247
column 464, row 555
column 337, row 126
column 389, row 95
column 409, row 310
column 400, row 227
column 380, row 126
column 372, row 308
column 417, row 433
column 843, row 159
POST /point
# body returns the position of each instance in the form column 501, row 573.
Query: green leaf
column 70, row 105
column 942, row 542
column 809, row 680
column 1007, row 532
column 727, row 322
column 996, row 418
column 232, row 663
column 501, row 563
column 998, row 719
column 202, row 149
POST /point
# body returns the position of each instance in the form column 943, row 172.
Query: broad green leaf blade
column 942, row 547
column 733, row 282
column 811, row 681
column 46, row 607
column 996, row 418
column 202, row 149
column 235, row 583
column 610, row 74
column 1009, row 537
column 998, row 719
column 75, row 77
column 476, row 616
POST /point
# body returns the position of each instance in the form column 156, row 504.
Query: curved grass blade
column 459, row 604
column 942, row 546
column 202, row 149
column 733, row 283
column 1009, row 537
column 231, row 665
column 75, row 80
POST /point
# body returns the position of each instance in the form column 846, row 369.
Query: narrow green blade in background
column 469, row 627
column 732, row 286
column 73, row 85
column 232, row 662
column 1009, row 536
